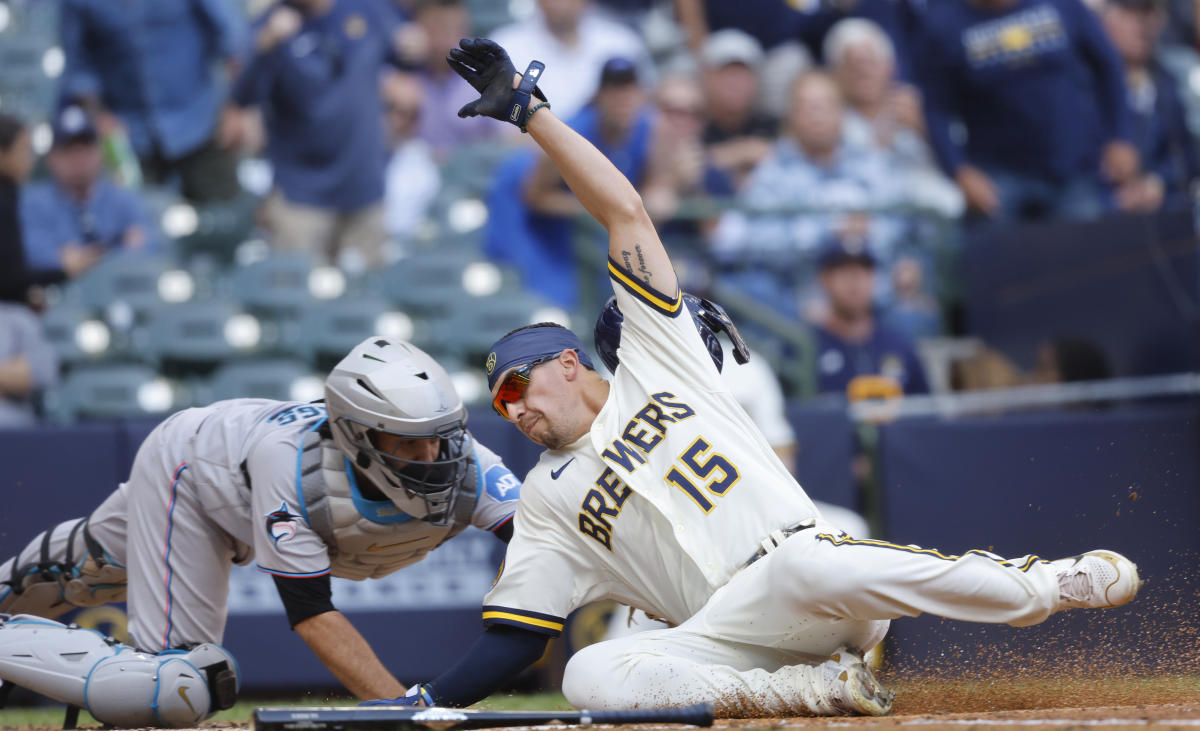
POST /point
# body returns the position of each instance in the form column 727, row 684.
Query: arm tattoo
column 642, row 269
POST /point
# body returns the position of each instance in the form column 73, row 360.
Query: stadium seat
column 124, row 277
column 276, row 378
column 276, row 286
column 427, row 283
column 328, row 330
column 469, row 331
column 60, row 324
column 112, row 391
column 219, row 229
column 195, row 337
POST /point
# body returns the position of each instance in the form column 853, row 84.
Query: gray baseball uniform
column 243, row 480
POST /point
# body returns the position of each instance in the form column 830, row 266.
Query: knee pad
column 115, row 683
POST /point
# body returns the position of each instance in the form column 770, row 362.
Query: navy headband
column 526, row 346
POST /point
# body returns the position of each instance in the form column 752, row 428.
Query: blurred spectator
column 884, row 113
column 737, row 136
column 152, row 67
column 911, row 311
column 851, row 343
column 18, row 283
column 1160, row 131
column 769, row 22
column 412, row 176
column 27, row 365
column 314, row 72
column 77, row 216
column 437, row 26
column 682, row 171
column 1041, row 94
column 574, row 41
column 1070, row 359
column 533, row 214
column 768, row 249
column 983, row 369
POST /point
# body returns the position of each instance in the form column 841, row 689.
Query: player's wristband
column 529, row 115
column 524, row 91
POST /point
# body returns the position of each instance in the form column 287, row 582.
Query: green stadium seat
column 113, row 391
column 276, row 378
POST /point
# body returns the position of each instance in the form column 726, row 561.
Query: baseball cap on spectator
column 618, row 71
column 730, row 45
column 838, row 250
column 73, row 124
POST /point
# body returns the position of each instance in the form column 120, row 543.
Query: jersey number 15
column 713, row 471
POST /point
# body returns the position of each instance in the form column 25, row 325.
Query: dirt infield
column 1161, row 702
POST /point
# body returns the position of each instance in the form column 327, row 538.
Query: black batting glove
column 487, row 67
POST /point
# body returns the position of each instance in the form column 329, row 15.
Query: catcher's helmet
column 393, row 387
column 709, row 318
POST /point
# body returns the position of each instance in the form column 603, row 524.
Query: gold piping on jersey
column 844, row 540
column 659, row 301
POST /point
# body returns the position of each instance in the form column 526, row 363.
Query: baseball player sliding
column 359, row 486
column 657, row 490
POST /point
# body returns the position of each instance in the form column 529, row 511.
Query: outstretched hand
column 487, row 67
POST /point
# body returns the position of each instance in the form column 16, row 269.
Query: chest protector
column 361, row 548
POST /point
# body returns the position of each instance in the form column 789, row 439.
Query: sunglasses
column 512, row 388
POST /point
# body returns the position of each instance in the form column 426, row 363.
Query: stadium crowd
column 822, row 164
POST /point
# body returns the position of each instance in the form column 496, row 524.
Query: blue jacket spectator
column 78, row 215
column 314, row 72
column 1041, row 94
column 1160, row 130
column 533, row 214
column 152, row 64
column 850, row 340
column 27, row 365
column 814, row 185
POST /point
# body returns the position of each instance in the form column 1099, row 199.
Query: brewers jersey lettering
column 662, row 501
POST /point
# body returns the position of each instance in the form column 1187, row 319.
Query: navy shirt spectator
column 1160, row 131
column 71, row 220
column 314, row 72
column 1041, row 94
column 736, row 134
column 151, row 63
column 851, row 342
column 18, row 283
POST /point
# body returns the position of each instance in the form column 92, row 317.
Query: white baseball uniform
column 662, row 504
column 253, row 479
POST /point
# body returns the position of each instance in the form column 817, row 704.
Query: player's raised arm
column 600, row 187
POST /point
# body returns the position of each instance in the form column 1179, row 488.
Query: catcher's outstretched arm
column 610, row 198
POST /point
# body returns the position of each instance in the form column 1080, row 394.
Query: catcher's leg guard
column 61, row 569
column 115, row 683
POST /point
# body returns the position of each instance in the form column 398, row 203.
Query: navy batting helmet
column 709, row 318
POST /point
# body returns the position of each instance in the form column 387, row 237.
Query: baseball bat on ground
column 397, row 718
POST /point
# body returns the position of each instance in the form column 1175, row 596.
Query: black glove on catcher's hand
column 487, row 67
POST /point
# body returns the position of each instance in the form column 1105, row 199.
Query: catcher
column 658, row 491
column 359, row 486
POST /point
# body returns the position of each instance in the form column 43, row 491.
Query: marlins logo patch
column 281, row 524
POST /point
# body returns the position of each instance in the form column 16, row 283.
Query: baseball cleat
column 1096, row 580
column 853, row 688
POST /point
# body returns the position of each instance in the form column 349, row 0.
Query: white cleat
column 852, row 688
column 1096, row 580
